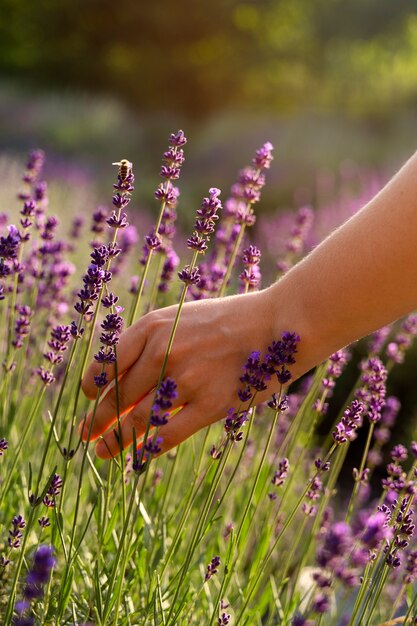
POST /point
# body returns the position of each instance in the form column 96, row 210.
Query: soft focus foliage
column 274, row 55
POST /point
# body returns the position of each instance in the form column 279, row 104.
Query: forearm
column 361, row 277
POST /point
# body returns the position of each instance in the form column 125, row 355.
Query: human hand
column 213, row 341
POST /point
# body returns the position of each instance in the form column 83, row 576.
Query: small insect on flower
column 125, row 168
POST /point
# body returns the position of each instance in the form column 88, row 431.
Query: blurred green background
column 92, row 81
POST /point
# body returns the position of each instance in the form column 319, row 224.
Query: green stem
column 358, row 480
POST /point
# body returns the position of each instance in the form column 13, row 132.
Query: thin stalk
column 362, row 467
column 22, row 441
column 12, row 592
column 232, row 260
column 288, row 521
column 200, row 526
column 106, row 609
column 258, row 472
column 138, row 296
column 154, row 291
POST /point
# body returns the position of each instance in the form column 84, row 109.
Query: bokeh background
column 326, row 81
column 332, row 84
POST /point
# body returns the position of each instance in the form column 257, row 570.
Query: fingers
column 131, row 389
column 120, row 438
column 180, row 427
column 129, row 349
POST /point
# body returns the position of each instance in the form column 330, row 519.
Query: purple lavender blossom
column 373, row 390
column 189, row 276
column 15, row 534
column 257, row 374
column 205, row 221
column 351, row 420
column 337, row 543
column 3, row 446
column 36, row 579
column 281, row 473
column 376, row 530
column 153, row 446
column 54, row 490
column 165, row 394
column 212, row 568
column 404, row 338
column 99, row 218
column 250, row 277
column 234, row 422
column 168, row 269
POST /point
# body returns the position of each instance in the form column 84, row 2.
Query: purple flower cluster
column 238, row 212
column 3, row 446
column 9, row 247
column 251, row 275
column 279, row 476
column 372, row 391
column 34, row 165
column 335, row 366
column 54, row 490
column 98, row 225
column 352, row 418
column 58, row 343
column 397, row 348
column 123, row 187
column 281, row 473
column 257, row 373
column 165, row 394
column 223, row 619
column 167, row 194
column 22, row 325
column 313, row 493
column 382, row 432
column 112, row 327
column 15, row 534
column 38, row 576
column 295, row 244
column 337, row 553
column 402, row 526
column 206, row 218
column 94, row 279
column 212, row 568
column 234, row 422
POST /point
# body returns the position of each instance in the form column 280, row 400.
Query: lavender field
column 246, row 523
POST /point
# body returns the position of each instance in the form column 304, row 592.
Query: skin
column 363, row 276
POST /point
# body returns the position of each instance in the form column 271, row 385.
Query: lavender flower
column 376, row 530
column 212, row 568
column 205, row 221
column 373, row 391
column 53, row 491
column 15, row 534
column 3, row 446
column 167, row 194
column 189, row 276
column 166, row 393
column 402, row 341
column 38, row 576
column 22, row 325
column 250, row 277
column 60, row 337
column 351, row 420
column 223, row 619
column 257, row 374
column 281, row 473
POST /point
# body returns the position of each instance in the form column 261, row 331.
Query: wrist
column 286, row 311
